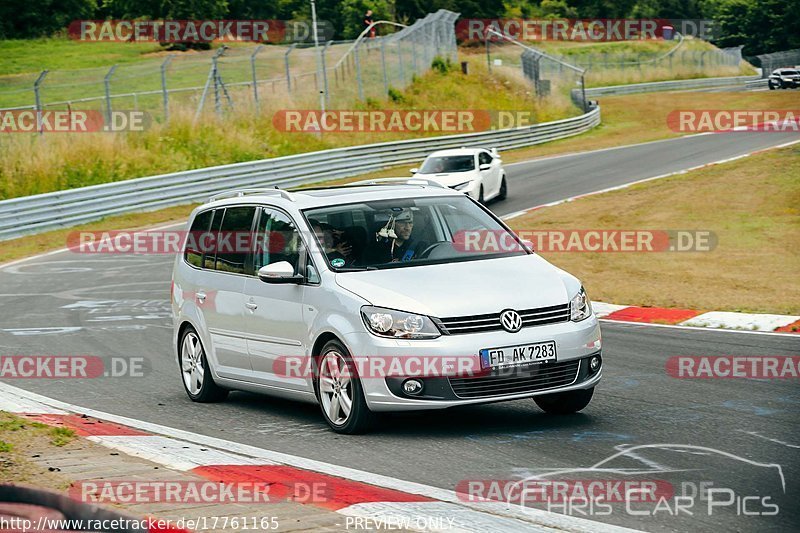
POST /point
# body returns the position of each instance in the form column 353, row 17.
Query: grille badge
column 511, row 321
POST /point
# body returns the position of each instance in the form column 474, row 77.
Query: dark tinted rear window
column 192, row 253
column 237, row 221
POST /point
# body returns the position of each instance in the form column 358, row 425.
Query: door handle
column 251, row 306
column 201, row 297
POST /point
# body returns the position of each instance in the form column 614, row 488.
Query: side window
column 277, row 240
column 210, row 256
column 484, row 158
column 233, row 237
column 193, row 253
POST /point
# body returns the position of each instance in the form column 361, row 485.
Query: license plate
column 523, row 354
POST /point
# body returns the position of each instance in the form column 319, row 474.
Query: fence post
column 383, row 64
column 400, row 62
column 38, row 100
column 325, row 73
column 164, row 93
column 107, row 83
column 488, row 52
column 286, row 64
column 358, row 70
column 255, row 77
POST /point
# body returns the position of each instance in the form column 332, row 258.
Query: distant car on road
column 784, row 78
column 477, row 172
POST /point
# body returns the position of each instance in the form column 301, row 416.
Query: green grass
column 32, row 164
column 19, row 56
column 5, row 447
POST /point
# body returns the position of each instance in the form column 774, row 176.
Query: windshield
column 450, row 163
column 410, row 232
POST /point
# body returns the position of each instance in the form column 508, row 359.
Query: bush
column 396, row 96
column 441, row 65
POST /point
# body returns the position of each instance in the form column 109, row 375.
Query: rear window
column 192, row 253
column 451, row 163
column 237, row 222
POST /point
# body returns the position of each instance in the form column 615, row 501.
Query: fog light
column 594, row 363
column 412, row 386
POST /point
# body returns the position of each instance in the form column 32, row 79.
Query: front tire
column 564, row 403
column 339, row 391
column 195, row 371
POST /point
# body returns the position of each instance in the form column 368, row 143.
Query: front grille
column 517, row 380
column 491, row 322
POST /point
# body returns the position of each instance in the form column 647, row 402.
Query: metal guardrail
column 673, row 85
column 762, row 83
column 31, row 214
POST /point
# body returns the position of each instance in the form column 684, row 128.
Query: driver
column 401, row 246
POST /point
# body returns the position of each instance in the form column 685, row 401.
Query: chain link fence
column 554, row 80
column 787, row 58
column 327, row 74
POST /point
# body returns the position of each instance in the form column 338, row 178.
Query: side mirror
column 414, row 170
column 280, row 272
column 485, row 166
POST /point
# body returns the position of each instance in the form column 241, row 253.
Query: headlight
column 399, row 325
column 580, row 308
column 462, row 186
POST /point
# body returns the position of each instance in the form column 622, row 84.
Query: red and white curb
column 356, row 493
column 698, row 319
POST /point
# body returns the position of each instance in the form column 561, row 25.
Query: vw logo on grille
column 511, row 321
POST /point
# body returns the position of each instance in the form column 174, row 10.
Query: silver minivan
column 390, row 295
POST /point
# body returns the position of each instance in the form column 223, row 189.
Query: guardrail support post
column 255, row 77
column 38, row 100
column 107, row 83
column 164, row 92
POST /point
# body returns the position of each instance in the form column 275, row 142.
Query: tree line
column 759, row 25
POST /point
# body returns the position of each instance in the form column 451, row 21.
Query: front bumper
column 575, row 342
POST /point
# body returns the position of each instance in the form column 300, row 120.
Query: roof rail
column 399, row 181
column 244, row 192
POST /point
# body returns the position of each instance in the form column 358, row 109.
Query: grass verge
column 751, row 204
column 20, row 439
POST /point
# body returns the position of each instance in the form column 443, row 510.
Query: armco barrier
column 31, row 214
column 675, row 85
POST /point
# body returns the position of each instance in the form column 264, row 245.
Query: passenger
column 338, row 250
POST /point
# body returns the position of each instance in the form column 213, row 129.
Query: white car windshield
column 449, row 163
column 409, row 232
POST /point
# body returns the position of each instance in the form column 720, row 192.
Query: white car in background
column 477, row 172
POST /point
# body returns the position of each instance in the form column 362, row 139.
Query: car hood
column 466, row 288
column 450, row 179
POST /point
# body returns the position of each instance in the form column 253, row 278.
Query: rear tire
column 340, row 394
column 564, row 403
column 503, row 190
column 195, row 372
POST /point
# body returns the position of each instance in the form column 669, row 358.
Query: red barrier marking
column 86, row 426
column 652, row 314
column 337, row 493
column 794, row 327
